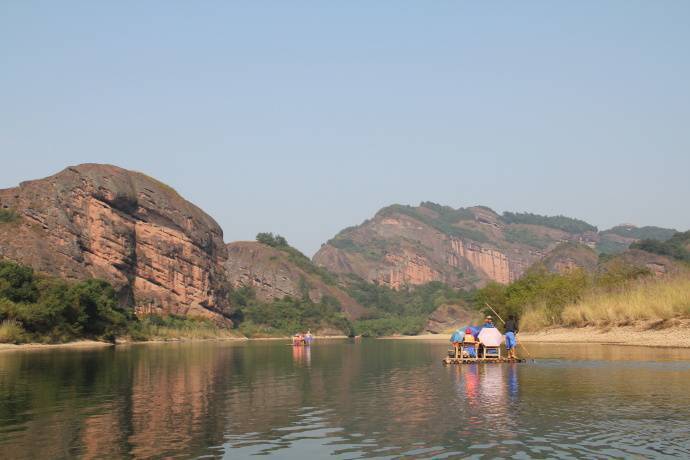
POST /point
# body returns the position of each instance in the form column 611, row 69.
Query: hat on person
column 489, row 317
column 468, row 331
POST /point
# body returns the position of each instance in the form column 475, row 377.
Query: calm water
column 344, row 399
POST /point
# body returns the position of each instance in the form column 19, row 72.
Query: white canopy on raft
column 490, row 337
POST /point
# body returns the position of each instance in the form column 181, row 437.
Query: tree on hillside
column 272, row 240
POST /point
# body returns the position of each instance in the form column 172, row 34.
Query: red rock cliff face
column 395, row 249
column 163, row 253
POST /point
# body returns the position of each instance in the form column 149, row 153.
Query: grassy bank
column 633, row 301
column 647, row 299
column 617, row 294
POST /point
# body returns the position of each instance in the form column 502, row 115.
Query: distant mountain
column 465, row 247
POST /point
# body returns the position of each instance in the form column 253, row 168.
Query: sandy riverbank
column 672, row 333
column 82, row 344
column 86, row 344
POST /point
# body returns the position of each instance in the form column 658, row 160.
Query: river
column 342, row 399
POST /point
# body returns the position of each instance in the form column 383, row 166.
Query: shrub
column 288, row 315
column 677, row 247
column 11, row 331
column 50, row 309
column 8, row 216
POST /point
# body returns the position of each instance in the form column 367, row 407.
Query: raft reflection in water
column 485, row 395
column 301, row 355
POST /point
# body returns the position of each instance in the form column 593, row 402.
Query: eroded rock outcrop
column 447, row 318
column 399, row 247
column 570, row 256
column 162, row 253
column 273, row 275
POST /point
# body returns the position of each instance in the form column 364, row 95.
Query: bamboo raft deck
column 449, row 360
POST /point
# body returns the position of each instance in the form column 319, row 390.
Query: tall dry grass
column 661, row 298
column 11, row 331
column 538, row 317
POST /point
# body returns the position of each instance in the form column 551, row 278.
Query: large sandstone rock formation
column 410, row 246
column 569, row 256
column 162, row 253
column 447, row 318
column 466, row 247
column 273, row 275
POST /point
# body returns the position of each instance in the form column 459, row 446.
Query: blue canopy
column 459, row 334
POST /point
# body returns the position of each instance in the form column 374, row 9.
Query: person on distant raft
column 511, row 330
column 489, row 322
column 308, row 338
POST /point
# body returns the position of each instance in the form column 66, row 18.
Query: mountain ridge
column 464, row 247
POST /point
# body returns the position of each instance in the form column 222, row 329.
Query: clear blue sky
column 305, row 117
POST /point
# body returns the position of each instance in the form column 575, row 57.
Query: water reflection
column 301, row 355
column 348, row 399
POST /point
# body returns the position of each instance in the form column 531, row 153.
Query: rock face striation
column 411, row 246
column 466, row 247
column 162, row 253
column 273, row 275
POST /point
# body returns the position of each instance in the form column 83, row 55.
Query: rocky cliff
column 162, row 253
column 448, row 318
column 274, row 274
column 466, row 247
column 403, row 245
column 569, row 256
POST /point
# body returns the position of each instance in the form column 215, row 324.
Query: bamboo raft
column 455, row 357
column 448, row 360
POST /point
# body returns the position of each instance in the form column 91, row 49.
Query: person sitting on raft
column 456, row 339
column 489, row 322
column 297, row 339
column 511, row 330
column 469, row 344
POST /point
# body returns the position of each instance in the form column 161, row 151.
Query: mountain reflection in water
column 343, row 398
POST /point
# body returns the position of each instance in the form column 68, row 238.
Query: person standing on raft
column 511, row 330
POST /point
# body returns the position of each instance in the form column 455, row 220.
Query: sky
column 303, row 118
